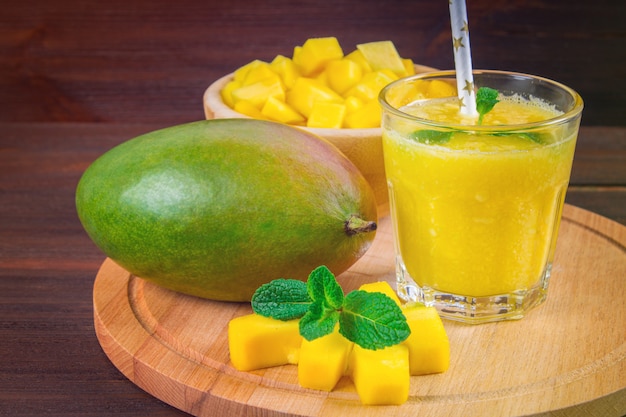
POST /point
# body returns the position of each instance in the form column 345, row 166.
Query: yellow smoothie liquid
column 477, row 214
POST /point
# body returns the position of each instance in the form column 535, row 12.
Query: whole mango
column 218, row 207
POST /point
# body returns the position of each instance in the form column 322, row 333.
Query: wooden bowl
column 362, row 146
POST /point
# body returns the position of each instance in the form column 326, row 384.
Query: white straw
column 462, row 57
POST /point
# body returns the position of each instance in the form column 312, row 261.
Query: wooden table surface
column 77, row 78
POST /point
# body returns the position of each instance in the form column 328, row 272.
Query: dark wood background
column 150, row 61
column 78, row 77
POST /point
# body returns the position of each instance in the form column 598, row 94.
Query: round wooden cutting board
column 567, row 357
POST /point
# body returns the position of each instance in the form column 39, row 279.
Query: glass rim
column 569, row 115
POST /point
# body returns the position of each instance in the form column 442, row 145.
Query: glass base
column 474, row 310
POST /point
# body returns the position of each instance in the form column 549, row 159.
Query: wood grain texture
column 567, row 356
column 150, row 61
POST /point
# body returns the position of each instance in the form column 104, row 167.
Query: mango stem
column 355, row 225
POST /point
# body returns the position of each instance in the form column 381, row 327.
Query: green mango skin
column 216, row 208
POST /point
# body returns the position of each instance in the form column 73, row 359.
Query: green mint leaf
column 372, row 320
column 322, row 286
column 431, row 137
column 535, row 137
column 282, row 299
column 486, row 99
column 318, row 321
column 538, row 138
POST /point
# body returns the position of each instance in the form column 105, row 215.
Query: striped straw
column 462, row 57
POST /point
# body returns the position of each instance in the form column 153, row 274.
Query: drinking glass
column 475, row 207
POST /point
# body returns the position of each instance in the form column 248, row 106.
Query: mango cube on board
column 381, row 377
column 428, row 344
column 257, row 342
column 381, row 286
column 323, row 361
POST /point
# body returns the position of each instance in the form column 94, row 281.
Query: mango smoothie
column 476, row 209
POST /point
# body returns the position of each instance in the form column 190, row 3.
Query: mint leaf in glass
column 486, row 99
column 431, row 137
column 282, row 299
column 372, row 320
column 535, row 137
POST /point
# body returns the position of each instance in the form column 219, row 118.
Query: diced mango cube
column 366, row 117
column 323, row 361
column 434, row 89
column 428, row 344
column 405, row 94
column 381, row 377
column 258, row 73
column 279, row 111
column 389, row 73
column 381, row 55
column 286, row 69
column 370, row 85
column 409, row 66
column 357, row 56
column 258, row 92
column 257, row 342
column 383, row 287
column 343, row 74
column 248, row 109
column 352, row 103
column 322, row 78
column 227, row 92
column 315, row 53
column 241, row 72
column 326, row 115
column 307, row 91
column 440, row 89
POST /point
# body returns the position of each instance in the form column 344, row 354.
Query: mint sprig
column 371, row 320
column 323, row 287
column 282, row 299
column 318, row 321
column 486, row 99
